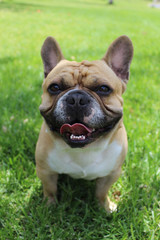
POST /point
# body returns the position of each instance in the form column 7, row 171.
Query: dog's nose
column 78, row 99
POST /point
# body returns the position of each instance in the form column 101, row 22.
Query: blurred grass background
column 84, row 30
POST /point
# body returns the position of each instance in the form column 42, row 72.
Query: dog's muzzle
column 79, row 119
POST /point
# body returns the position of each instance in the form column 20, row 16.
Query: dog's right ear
column 51, row 54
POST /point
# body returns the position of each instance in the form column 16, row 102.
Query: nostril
column 84, row 101
column 81, row 102
column 71, row 100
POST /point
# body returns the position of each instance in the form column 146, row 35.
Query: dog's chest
column 88, row 163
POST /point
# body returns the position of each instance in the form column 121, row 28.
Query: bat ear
column 51, row 54
column 119, row 57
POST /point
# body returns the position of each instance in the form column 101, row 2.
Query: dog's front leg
column 102, row 187
column 49, row 182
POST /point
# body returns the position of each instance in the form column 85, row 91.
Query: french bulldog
column 83, row 134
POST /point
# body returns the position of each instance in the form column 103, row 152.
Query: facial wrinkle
column 76, row 75
column 83, row 70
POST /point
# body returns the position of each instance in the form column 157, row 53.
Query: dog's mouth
column 78, row 134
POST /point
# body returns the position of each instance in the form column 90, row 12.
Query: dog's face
column 82, row 101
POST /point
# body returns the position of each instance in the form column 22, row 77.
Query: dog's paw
column 112, row 207
column 108, row 205
column 50, row 201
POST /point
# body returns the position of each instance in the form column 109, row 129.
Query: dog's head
column 82, row 101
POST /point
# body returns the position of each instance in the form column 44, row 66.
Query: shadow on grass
column 17, row 7
column 77, row 212
column 6, row 60
column 21, row 6
column 20, row 124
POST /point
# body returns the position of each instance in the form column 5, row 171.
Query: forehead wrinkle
column 83, row 71
column 76, row 74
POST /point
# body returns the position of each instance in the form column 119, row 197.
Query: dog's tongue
column 76, row 129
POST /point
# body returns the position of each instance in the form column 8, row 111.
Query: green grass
column 84, row 29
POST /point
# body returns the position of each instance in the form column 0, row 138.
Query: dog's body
column 83, row 133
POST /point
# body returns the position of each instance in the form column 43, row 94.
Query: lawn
column 84, row 30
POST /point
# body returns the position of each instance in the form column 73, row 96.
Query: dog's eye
column 54, row 89
column 103, row 90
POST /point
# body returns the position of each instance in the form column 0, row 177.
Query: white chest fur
column 96, row 160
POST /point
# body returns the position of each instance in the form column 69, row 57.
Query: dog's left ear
column 51, row 54
column 119, row 57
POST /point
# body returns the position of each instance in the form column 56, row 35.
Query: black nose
column 78, row 98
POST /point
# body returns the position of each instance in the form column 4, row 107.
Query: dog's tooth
column 72, row 136
column 83, row 137
column 75, row 137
